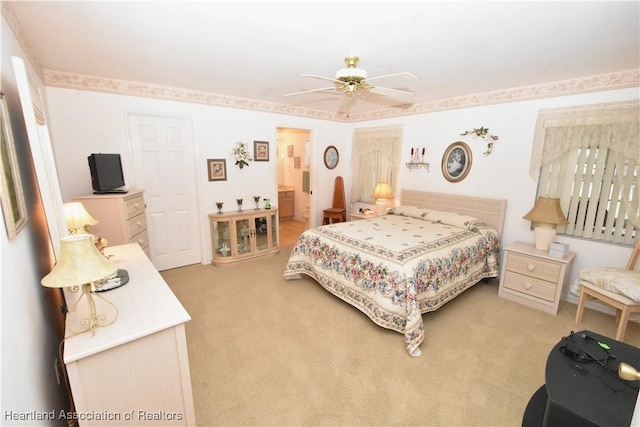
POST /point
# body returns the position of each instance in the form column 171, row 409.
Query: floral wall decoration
column 242, row 155
column 483, row 133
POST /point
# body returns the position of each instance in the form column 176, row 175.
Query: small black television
column 106, row 173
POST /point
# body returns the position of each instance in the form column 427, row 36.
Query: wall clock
column 331, row 157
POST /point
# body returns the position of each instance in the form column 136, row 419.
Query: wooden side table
column 533, row 278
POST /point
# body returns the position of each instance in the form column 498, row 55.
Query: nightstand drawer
column 142, row 239
column 530, row 286
column 533, row 267
column 533, row 278
column 136, row 225
column 134, row 206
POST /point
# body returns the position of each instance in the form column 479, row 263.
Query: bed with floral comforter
column 397, row 266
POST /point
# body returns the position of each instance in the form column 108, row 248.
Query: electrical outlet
column 56, row 368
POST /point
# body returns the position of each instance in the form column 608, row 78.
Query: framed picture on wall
column 217, row 169
column 260, row 151
column 289, row 150
column 14, row 206
column 331, row 157
column 456, row 161
column 296, row 162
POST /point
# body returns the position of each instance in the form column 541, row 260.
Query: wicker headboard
column 491, row 211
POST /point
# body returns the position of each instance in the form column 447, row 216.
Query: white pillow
column 411, row 211
column 454, row 219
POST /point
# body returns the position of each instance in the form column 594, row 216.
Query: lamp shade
column 382, row 191
column 80, row 263
column 77, row 216
column 547, row 211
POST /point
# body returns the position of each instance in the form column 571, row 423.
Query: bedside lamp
column 81, row 265
column 382, row 194
column 545, row 215
column 78, row 219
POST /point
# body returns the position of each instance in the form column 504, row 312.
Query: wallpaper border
column 610, row 81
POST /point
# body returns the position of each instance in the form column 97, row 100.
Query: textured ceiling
column 257, row 50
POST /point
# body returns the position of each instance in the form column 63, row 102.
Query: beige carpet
column 269, row 352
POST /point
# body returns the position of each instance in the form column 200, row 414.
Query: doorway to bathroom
column 294, row 182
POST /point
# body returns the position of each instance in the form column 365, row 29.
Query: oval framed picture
column 456, row 161
column 331, row 157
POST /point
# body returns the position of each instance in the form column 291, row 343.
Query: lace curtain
column 613, row 126
column 375, row 157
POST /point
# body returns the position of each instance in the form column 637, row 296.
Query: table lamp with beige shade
column 545, row 215
column 78, row 220
column 81, row 266
column 382, row 194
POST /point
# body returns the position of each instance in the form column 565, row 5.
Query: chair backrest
column 338, row 194
column 635, row 254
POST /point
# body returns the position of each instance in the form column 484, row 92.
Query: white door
column 162, row 153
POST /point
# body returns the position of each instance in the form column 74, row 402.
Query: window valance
column 610, row 125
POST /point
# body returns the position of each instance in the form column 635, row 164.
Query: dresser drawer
column 136, row 225
column 134, row 206
column 533, row 267
column 142, row 239
column 530, row 286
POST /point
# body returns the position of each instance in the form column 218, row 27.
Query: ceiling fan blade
column 329, row 79
column 403, row 74
column 390, row 92
column 310, row 91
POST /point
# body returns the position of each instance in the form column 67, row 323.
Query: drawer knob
column 531, row 267
column 528, row 286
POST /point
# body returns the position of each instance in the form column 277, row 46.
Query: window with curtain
column 375, row 157
column 589, row 157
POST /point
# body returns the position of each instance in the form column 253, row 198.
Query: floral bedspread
column 395, row 267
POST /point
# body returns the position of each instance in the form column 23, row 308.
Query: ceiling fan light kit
column 352, row 72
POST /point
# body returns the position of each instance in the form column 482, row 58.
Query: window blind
column 590, row 161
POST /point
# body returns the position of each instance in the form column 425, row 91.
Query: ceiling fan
column 353, row 80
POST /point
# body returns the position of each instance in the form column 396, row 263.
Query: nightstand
column 359, row 216
column 533, row 278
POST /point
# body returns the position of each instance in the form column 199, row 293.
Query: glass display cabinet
column 241, row 235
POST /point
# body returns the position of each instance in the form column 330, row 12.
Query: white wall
column 30, row 318
column 503, row 174
column 84, row 122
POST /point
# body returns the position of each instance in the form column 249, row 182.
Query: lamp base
column 543, row 235
column 94, row 320
column 381, row 206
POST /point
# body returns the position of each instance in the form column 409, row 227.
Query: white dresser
column 121, row 217
column 135, row 371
